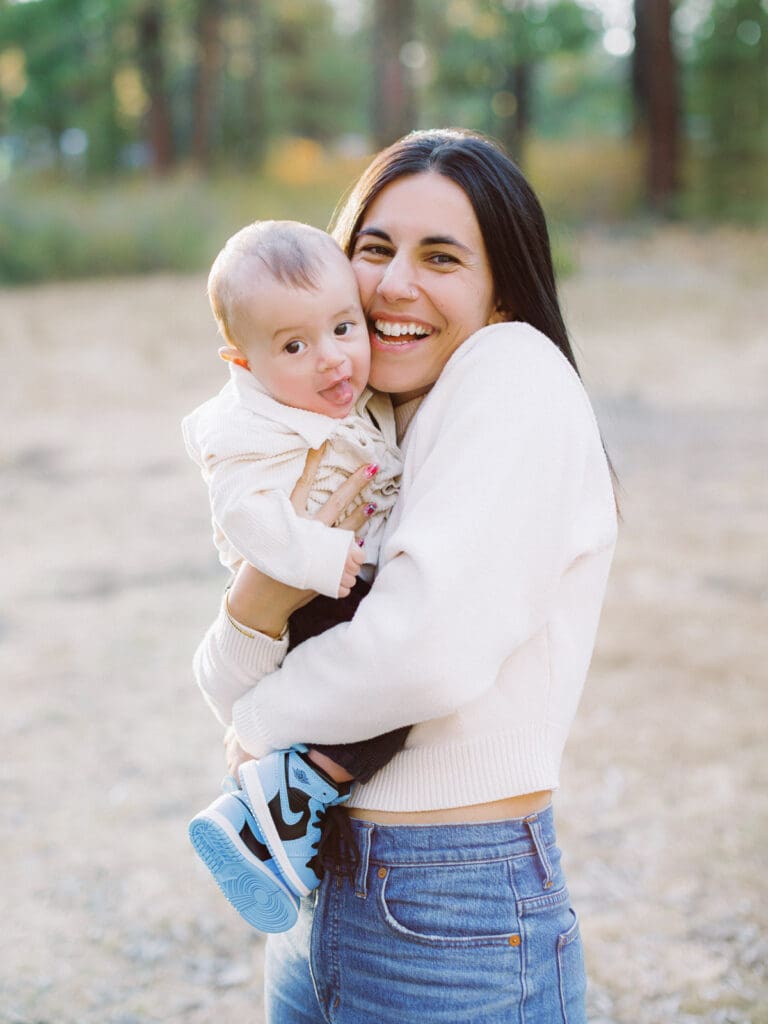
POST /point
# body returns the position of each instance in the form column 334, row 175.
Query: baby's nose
column 331, row 355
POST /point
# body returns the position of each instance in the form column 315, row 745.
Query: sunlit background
column 135, row 133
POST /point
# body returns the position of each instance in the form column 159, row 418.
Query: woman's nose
column 396, row 284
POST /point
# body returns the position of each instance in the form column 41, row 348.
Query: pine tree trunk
column 640, row 70
column 394, row 102
column 208, row 64
column 515, row 127
column 661, row 88
column 152, row 62
column 254, row 145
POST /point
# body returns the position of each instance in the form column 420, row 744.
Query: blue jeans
column 442, row 923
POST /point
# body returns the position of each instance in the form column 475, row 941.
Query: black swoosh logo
column 298, row 802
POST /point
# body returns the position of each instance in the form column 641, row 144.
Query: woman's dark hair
column 510, row 217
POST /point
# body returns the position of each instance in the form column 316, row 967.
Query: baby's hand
column 355, row 559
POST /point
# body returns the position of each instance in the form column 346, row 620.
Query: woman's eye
column 373, row 250
column 442, row 259
column 294, row 347
column 343, row 329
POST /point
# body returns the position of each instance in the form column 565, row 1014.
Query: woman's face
column 424, row 277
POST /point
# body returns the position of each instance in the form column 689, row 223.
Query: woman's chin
column 399, row 391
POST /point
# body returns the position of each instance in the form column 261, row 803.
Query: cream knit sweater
column 480, row 625
column 251, row 450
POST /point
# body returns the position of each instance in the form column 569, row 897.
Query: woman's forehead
column 427, row 207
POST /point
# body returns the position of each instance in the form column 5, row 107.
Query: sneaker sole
column 252, row 889
column 258, row 801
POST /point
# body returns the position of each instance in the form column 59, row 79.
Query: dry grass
column 109, row 579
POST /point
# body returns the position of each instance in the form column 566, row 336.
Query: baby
column 286, row 301
column 287, row 305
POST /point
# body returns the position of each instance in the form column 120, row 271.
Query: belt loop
column 361, row 875
column 534, row 827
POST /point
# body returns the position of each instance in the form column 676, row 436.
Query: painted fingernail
column 360, row 542
column 371, row 470
column 370, row 508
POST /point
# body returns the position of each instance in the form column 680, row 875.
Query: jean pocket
column 450, row 904
column 572, row 976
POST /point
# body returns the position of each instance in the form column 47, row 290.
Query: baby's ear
column 232, row 355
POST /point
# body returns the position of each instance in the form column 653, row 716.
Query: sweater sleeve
column 262, row 525
column 229, row 661
column 494, row 472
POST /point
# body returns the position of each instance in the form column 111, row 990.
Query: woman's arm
column 492, row 513
column 247, row 639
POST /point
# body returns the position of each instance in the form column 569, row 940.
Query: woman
column 478, row 629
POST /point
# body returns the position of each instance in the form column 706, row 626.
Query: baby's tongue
column 339, row 394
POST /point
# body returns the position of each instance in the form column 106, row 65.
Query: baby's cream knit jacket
column 251, row 450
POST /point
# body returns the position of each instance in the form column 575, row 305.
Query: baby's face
column 310, row 349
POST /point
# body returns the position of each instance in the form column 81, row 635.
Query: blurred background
column 135, row 136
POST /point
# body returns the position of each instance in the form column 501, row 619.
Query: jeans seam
column 459, row 862
column 534, row 828
column 361, row 875
column 562, row 944
column 334, row 989
column 317, row 971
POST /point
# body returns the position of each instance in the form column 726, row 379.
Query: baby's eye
column 294, row 347
column 343, row 329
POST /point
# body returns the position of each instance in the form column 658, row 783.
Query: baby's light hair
column 290, row 252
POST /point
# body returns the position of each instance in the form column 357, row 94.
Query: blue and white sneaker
column 228, row 840
column 289, row 796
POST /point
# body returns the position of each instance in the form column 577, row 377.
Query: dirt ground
column 109, row 578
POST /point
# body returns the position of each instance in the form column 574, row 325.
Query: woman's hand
column 234, row 753
column 264, row 604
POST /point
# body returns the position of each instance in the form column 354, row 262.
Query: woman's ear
column 230, row 354
column 498, row 316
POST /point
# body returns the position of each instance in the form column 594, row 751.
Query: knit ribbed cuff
column 248, row 727
column 255, row 654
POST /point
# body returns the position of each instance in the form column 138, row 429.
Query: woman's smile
column 388, row 333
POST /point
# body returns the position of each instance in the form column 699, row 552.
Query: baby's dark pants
column 364, row 758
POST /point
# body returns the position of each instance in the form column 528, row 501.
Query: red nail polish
column 371, row 470
column 360, row 542
column 370, row 508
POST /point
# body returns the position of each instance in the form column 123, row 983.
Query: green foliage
column 55, row 230
column 315, row 77
column 282, row 67
column 291, row 79
column 579, row 96
column 69, row 59
column 476, row 46
column 728, row 103
column 51, row 230
column 72, row 232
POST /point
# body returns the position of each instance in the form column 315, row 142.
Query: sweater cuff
column 327, row 557
column 255, row 653
column 248, row 727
